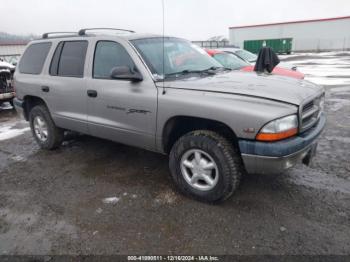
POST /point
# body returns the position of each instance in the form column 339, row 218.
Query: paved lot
column 93, row 196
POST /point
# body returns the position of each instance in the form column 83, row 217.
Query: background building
column 309, row 35
column 11, row 51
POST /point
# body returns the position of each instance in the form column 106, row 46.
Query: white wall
column 6, row 50
column 307, row 36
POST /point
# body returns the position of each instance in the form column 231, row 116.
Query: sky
column 191, row 19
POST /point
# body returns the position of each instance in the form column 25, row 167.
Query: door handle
column 92, row 93
column 45, row 89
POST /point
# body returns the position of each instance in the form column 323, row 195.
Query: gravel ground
column 92, row 196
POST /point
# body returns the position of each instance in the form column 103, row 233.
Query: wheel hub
column 40, row 128
column 199, row 170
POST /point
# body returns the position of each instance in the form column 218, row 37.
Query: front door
column 121, row 110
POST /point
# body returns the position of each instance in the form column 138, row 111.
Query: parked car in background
column 251, row 58
column 168, row 95
column 231, row 61
column 7, row 92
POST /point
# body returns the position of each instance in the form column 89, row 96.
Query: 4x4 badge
column 249, row 130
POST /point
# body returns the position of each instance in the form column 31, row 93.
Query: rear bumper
column 7, row 96
column 276, row 157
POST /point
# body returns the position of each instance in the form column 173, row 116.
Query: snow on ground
column 328, row 68
column 327, row 74
column 9, row 130
column 111, row 200
column 313, row 54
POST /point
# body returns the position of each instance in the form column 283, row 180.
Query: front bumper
column 19, row 105
column 7, row 96
column 276, row 157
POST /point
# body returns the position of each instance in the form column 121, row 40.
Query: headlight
column 279, row 129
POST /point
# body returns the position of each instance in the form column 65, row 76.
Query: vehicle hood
column 4, row 64
column 274, row 87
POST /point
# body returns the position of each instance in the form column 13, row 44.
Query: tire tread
column 232, row 173
column 57, row 134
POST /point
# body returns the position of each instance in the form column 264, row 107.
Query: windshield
column 246, row 55
column 179, row 56
column 230, row 61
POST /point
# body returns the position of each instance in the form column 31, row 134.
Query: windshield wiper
column 184, row 72
column 210, row 71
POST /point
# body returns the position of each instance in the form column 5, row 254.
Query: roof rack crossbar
column 83, row 31
column 46, row 35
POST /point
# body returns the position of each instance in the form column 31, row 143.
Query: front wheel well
column 180, row 125
column 29, row 103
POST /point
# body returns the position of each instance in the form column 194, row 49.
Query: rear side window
column 56, row 59
column 33, row 59
column 69, row 59
column 108, row 55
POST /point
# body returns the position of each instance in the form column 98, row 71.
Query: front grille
column 308, row 106
column 5, row 84
column 310, row 112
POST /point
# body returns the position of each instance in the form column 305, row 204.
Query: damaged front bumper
column 7, row 96
column 276, row 157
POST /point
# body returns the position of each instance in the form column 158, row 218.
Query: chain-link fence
column 211, row 44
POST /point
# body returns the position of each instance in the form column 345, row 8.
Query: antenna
column 163, row 48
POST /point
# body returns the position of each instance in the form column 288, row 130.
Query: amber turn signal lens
column 276, row 136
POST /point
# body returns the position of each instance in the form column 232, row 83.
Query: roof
column 293, row 22
column 128, row 37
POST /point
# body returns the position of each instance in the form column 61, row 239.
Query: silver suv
column 167, row 95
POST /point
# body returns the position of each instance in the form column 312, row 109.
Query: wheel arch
column 30, row 102
column 177, row 126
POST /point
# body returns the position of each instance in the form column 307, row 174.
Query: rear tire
column 46, row 133
column 196, row 153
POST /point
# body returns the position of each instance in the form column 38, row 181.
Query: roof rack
column 46, row 35
column 83, row 31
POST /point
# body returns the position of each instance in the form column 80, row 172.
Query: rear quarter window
column 34, row 57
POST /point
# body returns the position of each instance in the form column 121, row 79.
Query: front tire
column 46, row 133
column 205, row 166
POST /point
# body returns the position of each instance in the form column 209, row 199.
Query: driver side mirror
column 126, row 73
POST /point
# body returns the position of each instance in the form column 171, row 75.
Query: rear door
column 29, row 75
column 121, row 110
column 66, row 86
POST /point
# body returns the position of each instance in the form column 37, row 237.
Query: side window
column 69, row 59
column 34, row 57
column 56, row 59
column 108, row 55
